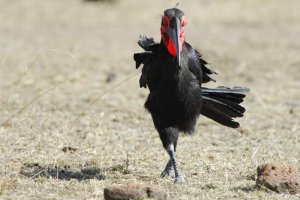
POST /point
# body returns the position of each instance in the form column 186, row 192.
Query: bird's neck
column 169, row 59
column 176, row 74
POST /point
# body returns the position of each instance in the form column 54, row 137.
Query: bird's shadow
column 35, row 170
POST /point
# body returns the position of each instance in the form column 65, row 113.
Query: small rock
column 69, row 149
column 134, row 191
column 278, row 178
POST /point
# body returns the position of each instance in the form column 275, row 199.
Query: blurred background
column 67, row 78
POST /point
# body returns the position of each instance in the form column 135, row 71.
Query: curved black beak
column 174, row 33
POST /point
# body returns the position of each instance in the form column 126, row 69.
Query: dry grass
column 61, row 52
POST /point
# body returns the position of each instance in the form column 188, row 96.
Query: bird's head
column 172, row 31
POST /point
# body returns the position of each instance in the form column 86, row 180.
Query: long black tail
column 221, row 104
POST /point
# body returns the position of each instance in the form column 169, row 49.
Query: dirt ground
column 68, row 80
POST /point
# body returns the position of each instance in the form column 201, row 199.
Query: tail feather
column 222, row 104
column 218, row 116
column 230, row 110
column 229, row 97
column 228, row 102
column 222, row 89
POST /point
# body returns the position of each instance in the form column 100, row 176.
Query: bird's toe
column 165, row 173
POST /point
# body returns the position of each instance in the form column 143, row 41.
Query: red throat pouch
column 170, row 44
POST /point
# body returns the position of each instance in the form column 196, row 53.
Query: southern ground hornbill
column 174, row 73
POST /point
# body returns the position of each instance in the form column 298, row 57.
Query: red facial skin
column 167, row 40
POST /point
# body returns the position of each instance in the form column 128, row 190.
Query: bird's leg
column 171, row 151
column 169, row 137
column 167, row 169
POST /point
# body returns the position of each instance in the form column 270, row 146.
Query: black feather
column 148, row 44
column 197, row 65
column 222, row 104
column 235, row 94
column 212, row 113
column 227, row 108
column 142, row 58
column 227, row 90
column 232, row 103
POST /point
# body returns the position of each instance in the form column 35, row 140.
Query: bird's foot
column 179, row 180
column 166, row 173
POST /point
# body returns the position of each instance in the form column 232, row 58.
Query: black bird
column 174, row 73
